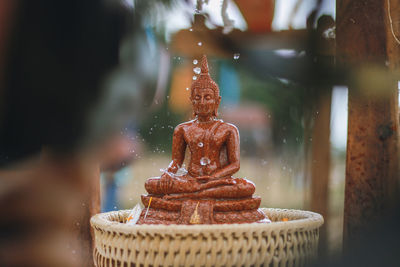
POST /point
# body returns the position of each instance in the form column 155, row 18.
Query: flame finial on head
column 204, row 80
column 204, row 65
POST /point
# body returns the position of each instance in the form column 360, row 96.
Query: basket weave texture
column 289, row 243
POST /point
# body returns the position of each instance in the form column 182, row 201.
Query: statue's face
column 204, row 102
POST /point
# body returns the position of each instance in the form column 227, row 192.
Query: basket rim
column 301, row 220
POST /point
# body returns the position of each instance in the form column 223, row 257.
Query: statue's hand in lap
column 166, row 182
column 218, row 180
column 204, row 178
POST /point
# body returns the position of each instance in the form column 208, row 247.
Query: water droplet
column 236, row 56
column 195, row 62
column 284, row 140
column 181, row 171
column 204, row 161
column 115, row 207
column 190, row 29
column 200, row 144
column 197, row 70
column 194, row 78
column 187, row 88
column 199, row 43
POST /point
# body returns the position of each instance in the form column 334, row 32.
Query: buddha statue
column 206, row 193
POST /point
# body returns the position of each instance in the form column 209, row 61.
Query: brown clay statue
column 206, row 193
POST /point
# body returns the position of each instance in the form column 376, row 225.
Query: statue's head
column 205, row 93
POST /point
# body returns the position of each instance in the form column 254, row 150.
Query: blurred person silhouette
column 58, row 63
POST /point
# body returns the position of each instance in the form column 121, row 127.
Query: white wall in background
column 339, row 117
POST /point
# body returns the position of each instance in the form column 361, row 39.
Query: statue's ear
column 216, row 106
column 191, row 101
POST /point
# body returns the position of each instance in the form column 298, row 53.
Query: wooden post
column 372, row 145
column 392, row 18
column 320, row 162
column 321, row 147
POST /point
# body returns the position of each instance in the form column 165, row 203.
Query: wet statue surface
column 206, row 193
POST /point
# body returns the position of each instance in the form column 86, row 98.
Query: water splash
column 168, row 173
column 181, row 172
column 204, row 161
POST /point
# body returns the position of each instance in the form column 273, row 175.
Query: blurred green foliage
column 158, row 126
column 285, row 102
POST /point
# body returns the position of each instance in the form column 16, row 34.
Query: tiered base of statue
column 202, row 211
column 232, row 203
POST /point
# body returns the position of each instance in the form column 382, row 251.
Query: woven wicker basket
column 289, row 243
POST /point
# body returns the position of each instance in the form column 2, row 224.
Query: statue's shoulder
column 229, row 126
column 184, row 125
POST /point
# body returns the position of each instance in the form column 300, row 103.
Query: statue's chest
column 199, row 138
